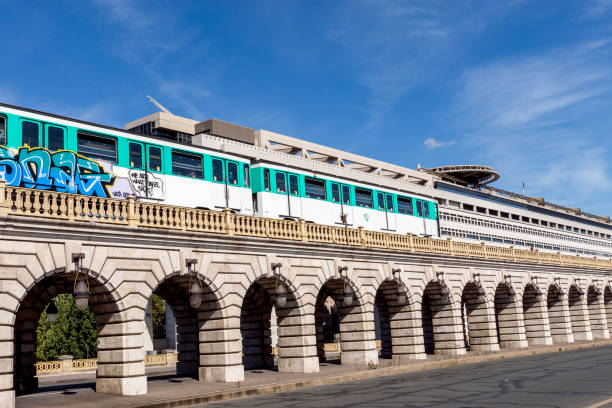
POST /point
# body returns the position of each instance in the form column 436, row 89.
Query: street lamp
column 348, row 292
column 444, row 290
column 560, row 290
column 402, row 294
column 195, row 286
column 52, row 312
column 508, row 282
column 281, row 292
column 597, row 290
column 578, row 288
column 480, row 291
column 81, row 284
column 538, row 291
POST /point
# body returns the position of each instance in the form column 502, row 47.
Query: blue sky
column 524, row 87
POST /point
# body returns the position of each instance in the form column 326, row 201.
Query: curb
column 267, row 389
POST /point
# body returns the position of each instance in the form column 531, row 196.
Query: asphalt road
column 567, row 379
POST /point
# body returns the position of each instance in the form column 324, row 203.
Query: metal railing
column 16, row 201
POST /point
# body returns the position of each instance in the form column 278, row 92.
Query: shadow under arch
column 508, row 322
column 441, row 333
column 535, row 316
column 478, row 329
column 558, row 316
column 355, row 329
column 597, row 316
column 102, row 302
column 579, row 319
column 607, row 300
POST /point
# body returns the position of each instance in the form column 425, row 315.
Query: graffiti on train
column 63, row 171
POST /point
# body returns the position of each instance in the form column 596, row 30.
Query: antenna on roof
column 159, row 105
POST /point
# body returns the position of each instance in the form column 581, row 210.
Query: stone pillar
column 510, row 324
column 579, row 317
column 170, row 327
column 220, row 347
column 7, row 392
column 481, row 326
column 597, row 316
column 535, row 316
column 559, row 318
column 447, row 327
column 147, row 333
column 357, row 337
column 297, row 341
column 406, row 333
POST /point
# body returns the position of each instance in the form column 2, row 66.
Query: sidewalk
column 171, row 391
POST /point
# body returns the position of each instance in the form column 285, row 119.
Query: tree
column 74, row 332
column 158, row 316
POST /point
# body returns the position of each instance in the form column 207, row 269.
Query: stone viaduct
column 432, row 296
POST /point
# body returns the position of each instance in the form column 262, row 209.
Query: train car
column 281, row 192
column 53, row 153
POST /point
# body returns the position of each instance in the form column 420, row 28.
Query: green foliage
column 74, row 332
column 158, row 315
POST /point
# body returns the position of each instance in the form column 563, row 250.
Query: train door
column 341, row 195
column 294, row 199
column 225, row 191
column 422, row 210
column 385, row 203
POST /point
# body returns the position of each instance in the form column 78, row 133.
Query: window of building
column 97, row 147
column 55, row 138
column 504, row 214
column 280, row 182
column 534, row 221
column 247, row 175
column 266, row 179
column 363, row 198
column 525, row 219
column 582, row 231
column 135, row 155
column 404, row 205
column 293, row 184
column 481, row 210
column 493, row 212
column 232, row 173
column 335, row 193
column 29, row 133
column 576, row 229
column 185, row 164
column 468, row 207
column 346, row 195
column 155, row 159
column 515, row 217
column 217, row 165
column 452, row 203
column 2, row 130
column 315, row 188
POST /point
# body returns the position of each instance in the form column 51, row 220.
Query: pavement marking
column 600, row 403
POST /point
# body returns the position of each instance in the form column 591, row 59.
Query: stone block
column 359, row 357
column 232, row 373
column 121, row 369
column 122, row 386
column 7, row 399
column 298, row 364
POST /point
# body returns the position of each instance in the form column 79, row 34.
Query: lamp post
column 480, row 291
column 538, row 291
column 444, row 290
column 508, row 282
column 195, row 286
column 81, row 283
column 578, row 288
column 348, row 292
column 52, row 312
column 560, row 290
column 402, row 295
column 597, row 290
column 280, row 291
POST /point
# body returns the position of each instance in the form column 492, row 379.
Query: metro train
column 50, row 152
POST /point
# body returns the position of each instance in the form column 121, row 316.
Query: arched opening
column 478, row 330
column 597, row 318
column 581, row 329
column 296, row 351
column 441, row 333
column 508, row 321
column 71, row 338
column 558, row 316
column 327, row 325
column 395, row 328
column 607, row 299
column 535, row 316
column 356, row 329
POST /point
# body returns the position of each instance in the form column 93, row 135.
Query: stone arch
column 117, row 373
column 477, row 320
column 579, row 319
column 597, row 314
column 558, row 315
column 357, row 336
column 535, row 316
column 508, row 318
column 398, row 323
column 441, row 322
column 607, row 300
column 295, row 328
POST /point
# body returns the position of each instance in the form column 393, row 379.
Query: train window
column 389, row 202
column 363, row 198
column 217, row 169
column 267, row 179
column 232, row 173
column 2, row 130
column 29, row 134
column 381, row 201
column 188, row 165
column 281, row 186
column 404, row 205
column 315, row 188
column 155, row 158
column 294, row 185
column 55, row 138
column 335, row 193
column 247, row 176
column 97, row 147
column 346, row 195
column 136, row 155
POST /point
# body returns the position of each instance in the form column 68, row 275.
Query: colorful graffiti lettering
column 63, row 171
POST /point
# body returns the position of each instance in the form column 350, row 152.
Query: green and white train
column 50, row 152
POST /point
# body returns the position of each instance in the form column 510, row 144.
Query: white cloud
column 431, row 143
